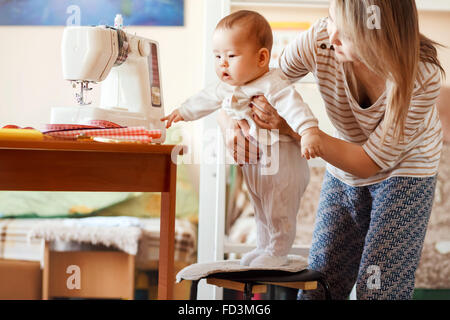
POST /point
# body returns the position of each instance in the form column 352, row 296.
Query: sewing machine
column 127, row 66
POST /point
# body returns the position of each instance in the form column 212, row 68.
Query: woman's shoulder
column 321, row 26
column 319, row 32
column 427, row 74
column 299, row 57
column 427, row 89
column 315, row 35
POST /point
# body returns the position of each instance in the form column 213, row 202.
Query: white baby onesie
column 277, row 89
column 275, row 196
column 276, row 201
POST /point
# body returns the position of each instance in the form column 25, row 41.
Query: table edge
column 90, row 146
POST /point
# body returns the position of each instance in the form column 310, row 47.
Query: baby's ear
column 264, row 57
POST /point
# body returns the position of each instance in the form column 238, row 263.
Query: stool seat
column 269, row 276
column 252, row 278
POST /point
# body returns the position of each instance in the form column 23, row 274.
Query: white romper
column 275, row 195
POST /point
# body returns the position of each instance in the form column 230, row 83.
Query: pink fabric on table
column 141, row 138
column 92, row 124
column 104, row 123
column 59, row 127
column 129, row 133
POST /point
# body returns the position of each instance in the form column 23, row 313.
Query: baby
column 242, row 45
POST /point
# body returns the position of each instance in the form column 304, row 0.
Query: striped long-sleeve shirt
column 417, row 155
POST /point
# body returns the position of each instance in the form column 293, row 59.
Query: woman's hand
column 237, row 139
column 267, row 117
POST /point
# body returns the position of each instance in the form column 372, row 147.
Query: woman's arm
column 299, row 56
column 348, row 157
column 344, row 155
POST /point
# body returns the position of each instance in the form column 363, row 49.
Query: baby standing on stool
column 242, row 44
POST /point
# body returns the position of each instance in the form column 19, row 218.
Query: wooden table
column 95, row 166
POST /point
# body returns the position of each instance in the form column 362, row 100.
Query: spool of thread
column 118, row 21
column 20, row 134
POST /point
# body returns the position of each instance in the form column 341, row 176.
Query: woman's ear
column 264, row 57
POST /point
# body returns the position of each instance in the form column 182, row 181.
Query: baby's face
column 236, row 58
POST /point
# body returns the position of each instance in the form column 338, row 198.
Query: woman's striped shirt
column 417, row 155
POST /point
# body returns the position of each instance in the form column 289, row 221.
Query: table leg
column 166, row 277
column 131, row 268
column 46, row 272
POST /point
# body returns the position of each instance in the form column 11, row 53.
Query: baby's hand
column 175, row 116
column 311, row 143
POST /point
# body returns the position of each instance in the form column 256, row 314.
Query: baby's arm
column 311, row 143
column 299, row 117
column 203, row 103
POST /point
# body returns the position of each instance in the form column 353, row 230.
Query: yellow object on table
column 20, row 134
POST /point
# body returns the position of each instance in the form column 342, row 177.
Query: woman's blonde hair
column 391, row 47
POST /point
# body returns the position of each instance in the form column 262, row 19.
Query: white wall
column 436, row 25
column 30, row 65
column 31, row 74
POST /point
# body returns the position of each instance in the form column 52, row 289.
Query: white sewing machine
column 127, row 67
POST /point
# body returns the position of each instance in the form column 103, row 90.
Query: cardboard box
column 20, row 280
column 101, row 274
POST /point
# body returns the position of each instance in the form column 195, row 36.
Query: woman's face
column 343, row 46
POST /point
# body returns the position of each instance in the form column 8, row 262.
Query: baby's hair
column 257, row 26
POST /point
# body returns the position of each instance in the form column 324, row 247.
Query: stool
column 256, row 281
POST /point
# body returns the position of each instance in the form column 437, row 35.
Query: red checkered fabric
column 129, row 134
column 104, row 124
column 58, row 127
column 92, row 124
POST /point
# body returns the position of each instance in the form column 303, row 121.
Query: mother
column 379, row 86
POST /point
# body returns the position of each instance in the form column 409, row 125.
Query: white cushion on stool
column 201, row 270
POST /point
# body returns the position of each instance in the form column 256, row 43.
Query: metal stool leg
column 326, row 288
column 248, row 288
column 194, row 286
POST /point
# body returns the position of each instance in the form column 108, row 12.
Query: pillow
column 32, row 204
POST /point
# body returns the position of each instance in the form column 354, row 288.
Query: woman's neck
column 367, row 76
column 370, row 86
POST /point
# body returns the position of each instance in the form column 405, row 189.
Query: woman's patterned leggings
column 370, row 235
